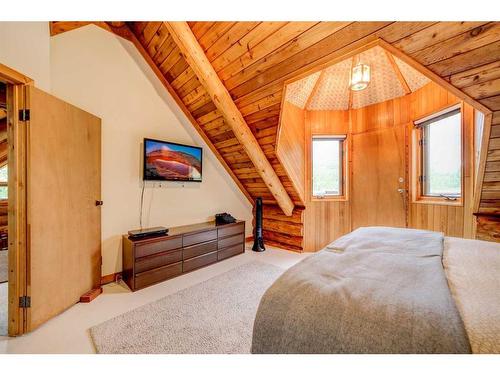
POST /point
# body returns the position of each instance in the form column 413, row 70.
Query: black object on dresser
column 148, row 261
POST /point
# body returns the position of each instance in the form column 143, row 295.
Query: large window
column 327, row 166
column 441, row 156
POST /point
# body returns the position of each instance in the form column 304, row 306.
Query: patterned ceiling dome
column 329, row 88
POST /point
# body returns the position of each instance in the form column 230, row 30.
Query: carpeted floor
column 215, row 316
column 4, row 265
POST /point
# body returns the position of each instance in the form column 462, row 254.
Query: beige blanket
column 376, row 290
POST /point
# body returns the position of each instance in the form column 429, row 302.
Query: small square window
column 327, row 166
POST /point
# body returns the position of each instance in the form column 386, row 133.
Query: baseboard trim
column 111, row 278
column 249, row 239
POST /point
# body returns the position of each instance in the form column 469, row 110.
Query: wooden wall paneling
column 452, row 220
column 324, row 220
column 488, row 228
column 290, row 146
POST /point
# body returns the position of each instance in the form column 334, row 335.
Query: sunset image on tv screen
column 169, row 161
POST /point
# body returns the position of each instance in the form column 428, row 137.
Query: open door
column 63, row 181
column 379, row 193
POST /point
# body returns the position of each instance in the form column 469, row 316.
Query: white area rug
column 213, row 317
column 4, row 265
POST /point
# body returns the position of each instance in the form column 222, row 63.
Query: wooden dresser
column 186, row 248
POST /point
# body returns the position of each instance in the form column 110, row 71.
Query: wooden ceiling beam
column 400, row 76
column 184, row 109
column 315, row 88
column 198, row 61
column 118, row 28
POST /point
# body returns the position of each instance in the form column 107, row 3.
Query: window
column 3, row 182
column 327, row 166
column 441, row 156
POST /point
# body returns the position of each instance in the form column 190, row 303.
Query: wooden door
column 64, row 222
column 379, row 178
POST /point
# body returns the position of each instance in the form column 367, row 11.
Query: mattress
column 472, row 268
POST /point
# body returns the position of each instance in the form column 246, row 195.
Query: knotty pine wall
column 324, row 221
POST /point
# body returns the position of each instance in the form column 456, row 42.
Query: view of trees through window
column 443, row 156
column 3, row 179
column 326, row 166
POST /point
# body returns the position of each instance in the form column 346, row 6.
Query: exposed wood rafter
column 400, row 76
column 196, row 58
column 186, row 112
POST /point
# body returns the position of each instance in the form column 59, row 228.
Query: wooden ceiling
column 254, row 60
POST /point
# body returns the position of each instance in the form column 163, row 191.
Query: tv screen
column 167, row 161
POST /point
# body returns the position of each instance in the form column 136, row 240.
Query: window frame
column 343, row 195
column 419, row 195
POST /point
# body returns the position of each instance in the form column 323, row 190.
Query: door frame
column 17, row 228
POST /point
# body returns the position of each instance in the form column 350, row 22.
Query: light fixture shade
column 360, row 77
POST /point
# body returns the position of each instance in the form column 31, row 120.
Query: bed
column 386, row 290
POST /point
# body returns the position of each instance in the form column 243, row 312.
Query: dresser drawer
column 192, row 239
column 199, row 261
column 157, row 260
column 230, row 251
column 195, row 250
column 231, row 230
column 159, row 246
column 233, row 240
column 156, row 275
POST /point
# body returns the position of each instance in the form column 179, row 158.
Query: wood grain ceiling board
column 262, row 60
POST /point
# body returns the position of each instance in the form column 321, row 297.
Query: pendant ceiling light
column 360, row 76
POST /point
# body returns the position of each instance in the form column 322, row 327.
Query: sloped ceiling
column 255, row 59
column 328, row 89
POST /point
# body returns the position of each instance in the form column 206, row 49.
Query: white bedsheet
column 473, row 271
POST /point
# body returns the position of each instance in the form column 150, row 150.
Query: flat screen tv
column 167, row 161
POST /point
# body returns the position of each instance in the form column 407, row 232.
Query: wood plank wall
column 255, row 59
column 452, row 220
column 290, row 146
column 324, row 221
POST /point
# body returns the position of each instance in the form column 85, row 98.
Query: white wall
column 25, row 47
column 106, row 76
